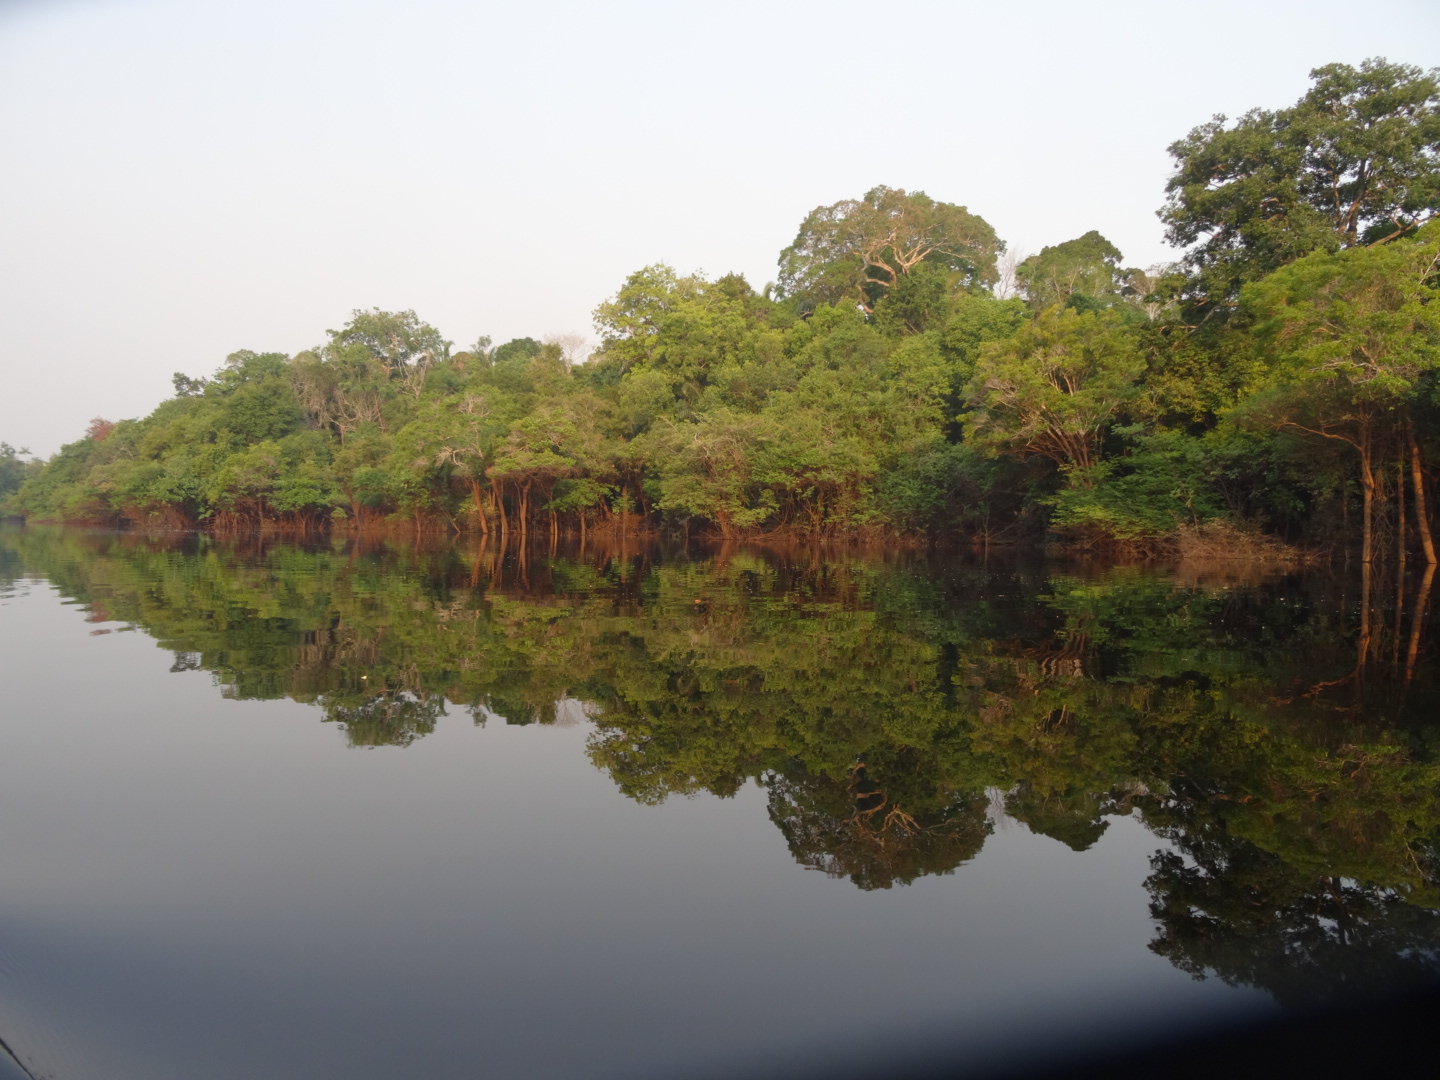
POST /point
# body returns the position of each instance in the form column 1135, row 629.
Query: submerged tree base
column 1213, row 541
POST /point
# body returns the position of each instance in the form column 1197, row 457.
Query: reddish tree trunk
column 1417, row 481
column 1367, row 490
column 499, row 492
column 479, row 507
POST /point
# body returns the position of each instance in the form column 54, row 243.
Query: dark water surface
column 349, row 810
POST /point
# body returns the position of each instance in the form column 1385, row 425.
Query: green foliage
column 1080, row 270
column 882, row 390
column 1163, row 482
column 1054, row 388
column 514, row 351
column 858, row 250
column 1365, row 318
column 14, row 471
column 1355, row 161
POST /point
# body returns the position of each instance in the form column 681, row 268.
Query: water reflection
column 1277, row 731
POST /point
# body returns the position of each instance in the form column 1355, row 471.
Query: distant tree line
column 904, row 376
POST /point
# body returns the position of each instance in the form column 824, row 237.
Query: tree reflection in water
column 851, row 827
column 1276, row 732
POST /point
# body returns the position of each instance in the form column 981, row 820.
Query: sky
column 180, row 179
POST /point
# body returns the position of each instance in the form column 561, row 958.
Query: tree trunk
column 1417, row 620
column 499, row 490
column 1417, row 481
column 1400, row 509
column 479, row 507
column 1399, row 558
column 1362, row 645
column 1367, row 489
column 524, row 511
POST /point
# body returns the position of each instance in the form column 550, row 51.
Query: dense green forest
column 904, row 376
column 1278, row 737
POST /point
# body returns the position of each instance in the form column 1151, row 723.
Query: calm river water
column 348, row 810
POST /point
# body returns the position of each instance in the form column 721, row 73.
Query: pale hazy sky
column 182, row 179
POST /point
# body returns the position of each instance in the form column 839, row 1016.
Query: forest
column 906, row 377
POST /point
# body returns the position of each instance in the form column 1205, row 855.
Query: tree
column 513, row 351
column 681, row 329
column 1154, row 290
column 349, row 382
column 709, row 469
column 574, row 348
column 466, row 436
column 860, row 249
column 1355, row 161
column 185, row 386
column 1349, row 335
column 975, row 318
column 1088, row 266
column 541, row 447
column 404, row 347
column 1054, row 387
column 13, row 471
column 256, row 397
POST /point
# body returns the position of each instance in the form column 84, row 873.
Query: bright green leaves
column 708, row 469
column 1053, row 389
column 1366, row 317
column 1163, row 483
column 683, row 327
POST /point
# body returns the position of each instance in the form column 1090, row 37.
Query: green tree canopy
column 515, row 350
column 1349, row 334
column 397, row 342
column 1355, row 161
column 1054, row 387
column 1086, row 267
column 859, row 249
column 13, row 470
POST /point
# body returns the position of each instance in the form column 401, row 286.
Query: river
column 375, row 809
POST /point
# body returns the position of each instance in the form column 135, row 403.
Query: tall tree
column 1349, row 334
column 404, row 347
column 540, row 448
column 859, row 249
column 1087, row 266
column 1355, row 161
